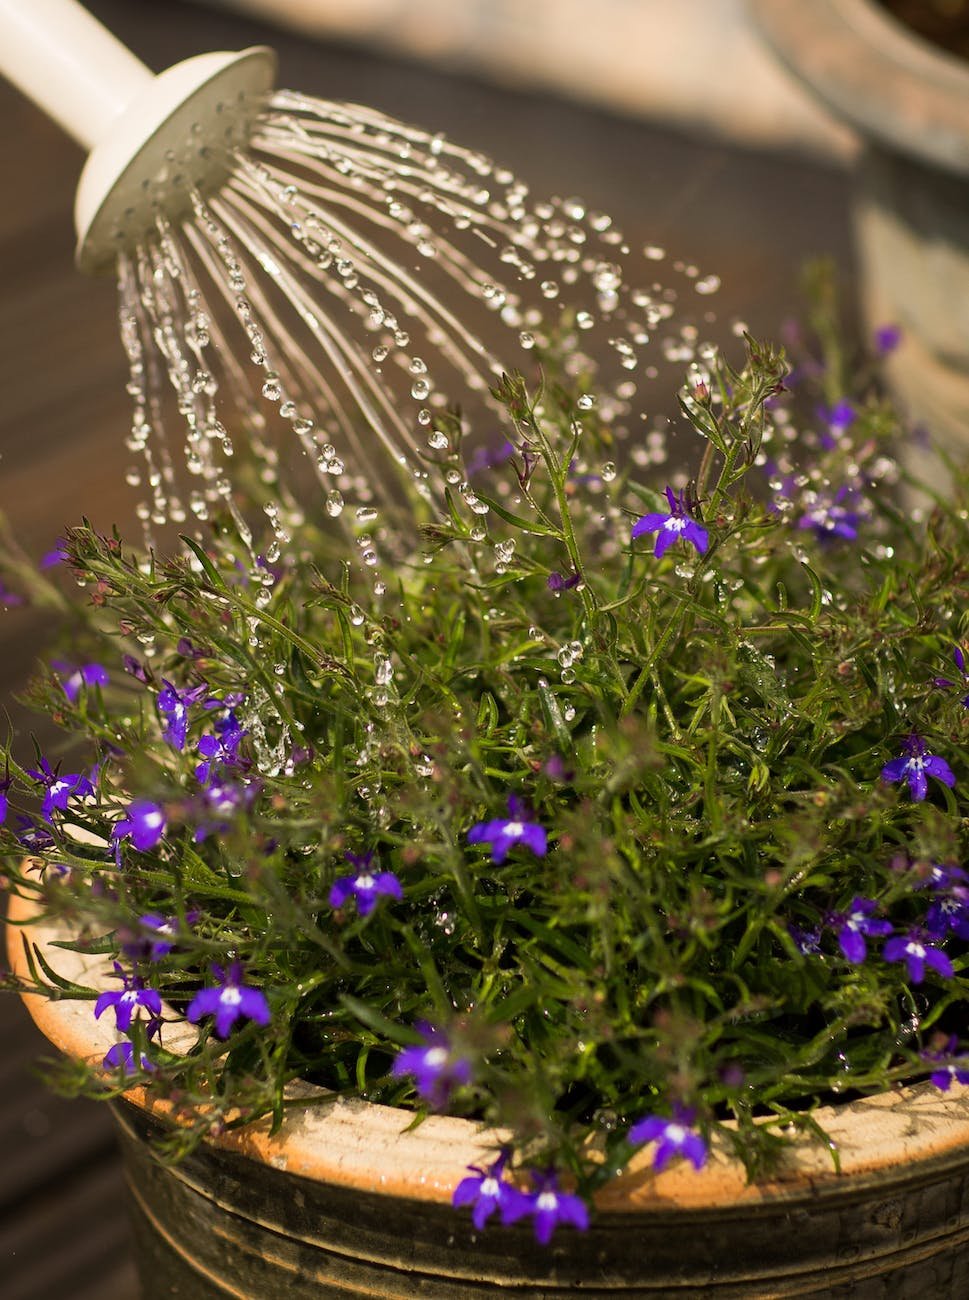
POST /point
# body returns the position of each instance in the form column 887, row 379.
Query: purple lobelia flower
column 162, row 932
column 806, row 941
column 173, row 705
column 229, row 1000
column 485, row 1191
column 915, row 765
column 5, row 785
column 57, row 554
column 951, row 1065
column 833, row 516
column 134, row 668
column 366, row 886
column 436, row 1065
column 121, row 1057
column 671, row 526
column 489, row 457
column 959, row 659
column 854, row 925
column 221, row 750
column 548, row 1206
column 144, row 824
column 128, row 999
column 949, row 910
column 10, row 599
column 886, row 338
column 60, row 789
column 558, row 582
column 837, row 420
column 673, row 1137
column 917, row 951
column 503, row 833
column 220, row 803
column 34, row 837
column 78, row 678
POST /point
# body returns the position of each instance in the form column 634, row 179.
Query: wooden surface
column 750, row 217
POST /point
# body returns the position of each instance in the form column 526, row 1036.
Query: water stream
column 354, row 281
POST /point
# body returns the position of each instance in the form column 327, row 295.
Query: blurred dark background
column 750, row 214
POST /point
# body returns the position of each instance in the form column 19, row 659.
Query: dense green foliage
column 701, row 735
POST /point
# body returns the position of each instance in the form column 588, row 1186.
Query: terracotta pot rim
column 361, row 1145
column 885, row 80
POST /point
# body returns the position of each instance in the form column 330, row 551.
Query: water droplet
column 334, row 503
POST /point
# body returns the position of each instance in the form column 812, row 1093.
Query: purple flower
column 959, row 659
column 547, row 1205
column 221, row 750
column 5, row 785
column 60, row 789
column 914, row 765
column 485, row 1191
column 830, row 516
column 917, row 952
column 162, row 931
column 558, row 582
column 229, row 1000
column 220, row 804
column 886, row 338
column 436, row 1065
column 10, row 598
column 674, row 1137
column 949, row 909
column 806, row 941
column 144, row 824
column 55, row 556
column 837, row 419
column 126, row 1000
column 122, row 1057
column 78, row 678
column 950, row 1065
column 365, row 887
column 855, row 924
column 489, row 457
column 173, row 705
column 134, row 667
column 34, row 838
column 503, row 833
column 671, row 526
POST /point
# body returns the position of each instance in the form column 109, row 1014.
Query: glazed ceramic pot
column 343, row 1201
column 909, row 104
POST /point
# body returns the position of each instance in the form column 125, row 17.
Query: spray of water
column 353, row 284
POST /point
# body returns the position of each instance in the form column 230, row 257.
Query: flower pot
column 343, row 1201
column 909, row 103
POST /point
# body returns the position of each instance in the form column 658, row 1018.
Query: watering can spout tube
column 61, row 57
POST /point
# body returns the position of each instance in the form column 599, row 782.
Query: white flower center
column 153, row 819
column 365, row 882
column 915, row 949
column 130, row 996
column 675, row 524
column 435, row 1057
column 547, row 1201
column 490, row 1187
column 514, row 830
column 675, row 1133
column 230, row 996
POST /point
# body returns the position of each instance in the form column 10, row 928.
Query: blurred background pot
column 909, row 103
column 343, row 1201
